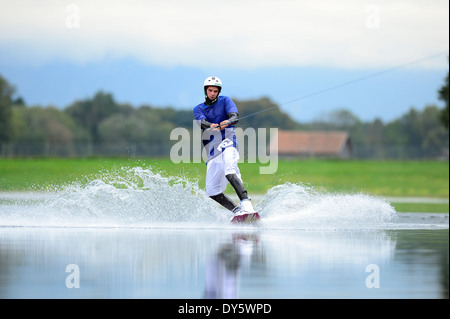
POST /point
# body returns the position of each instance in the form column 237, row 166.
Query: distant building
column 331, row 144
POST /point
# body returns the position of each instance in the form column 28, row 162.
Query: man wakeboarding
column 217, row 116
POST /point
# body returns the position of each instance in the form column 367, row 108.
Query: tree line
column 100, row 126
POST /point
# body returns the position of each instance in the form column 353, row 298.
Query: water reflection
column 330, row 264
column 222, row 269
column 223, row 263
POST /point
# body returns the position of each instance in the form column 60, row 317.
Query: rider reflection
column 222, row 270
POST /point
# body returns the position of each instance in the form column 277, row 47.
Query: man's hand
column 224, row 124
column 217, row 127
column 214, row 127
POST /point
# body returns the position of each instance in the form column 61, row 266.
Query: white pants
column 219, row 166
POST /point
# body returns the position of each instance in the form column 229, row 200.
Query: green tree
column 270, row 115
column 443, row 95
column 143, row 132
column 434, row 137
column 179, row 118
column 372, row 145
column 43, row 131
column 342, row 119
column 89, row 113
column 416, row 134
column 6, row 93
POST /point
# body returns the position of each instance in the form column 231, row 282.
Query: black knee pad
column 238, row 186
column 224, row 200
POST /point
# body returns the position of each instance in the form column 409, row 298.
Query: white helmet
column 212, row 81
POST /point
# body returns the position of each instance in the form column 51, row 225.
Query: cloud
column 237, row 34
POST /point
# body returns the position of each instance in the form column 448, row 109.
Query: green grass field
column 382, row 178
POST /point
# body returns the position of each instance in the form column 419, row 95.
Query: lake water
column 139, row 235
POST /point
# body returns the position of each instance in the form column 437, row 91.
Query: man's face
column 212, row 92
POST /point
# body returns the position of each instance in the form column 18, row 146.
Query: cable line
column 349, row 82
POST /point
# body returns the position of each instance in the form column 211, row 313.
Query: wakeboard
column 246, row 218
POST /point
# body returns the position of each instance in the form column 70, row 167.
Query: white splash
column 298, row 206
column 138, row 197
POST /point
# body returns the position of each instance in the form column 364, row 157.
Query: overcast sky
column 248, row 34
column 245, row 36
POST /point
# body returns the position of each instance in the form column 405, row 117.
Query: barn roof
column 316, row 142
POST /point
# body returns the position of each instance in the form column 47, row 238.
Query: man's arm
column 232, row 119
column 204, row 124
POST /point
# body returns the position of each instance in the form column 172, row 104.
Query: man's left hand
column 224, row 124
